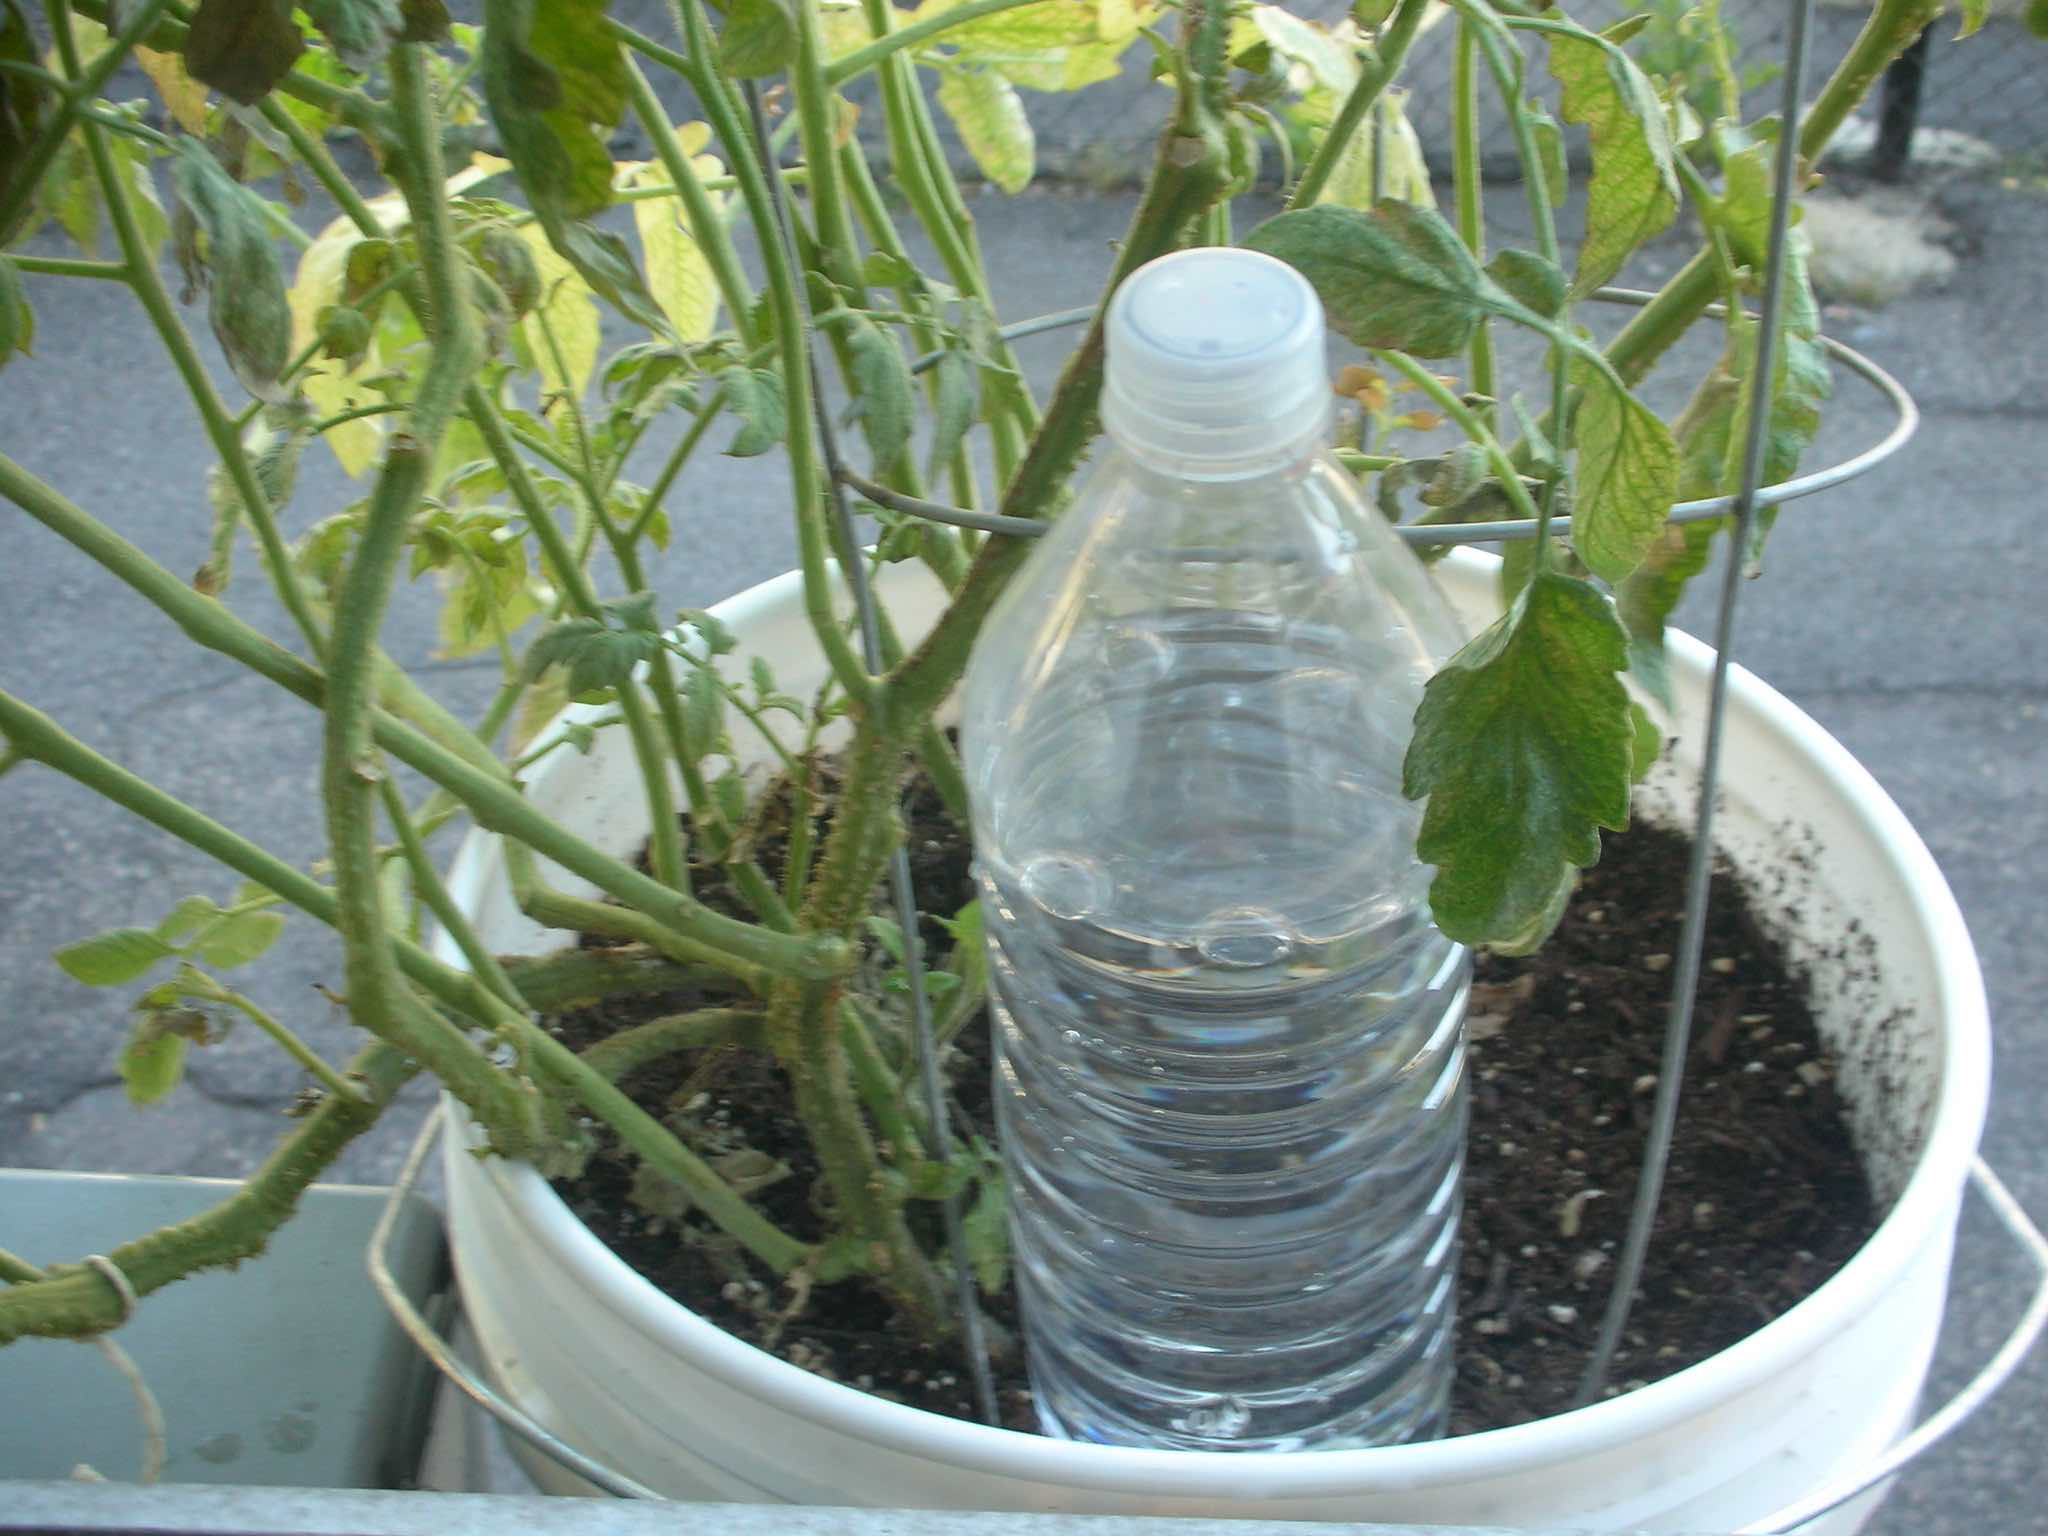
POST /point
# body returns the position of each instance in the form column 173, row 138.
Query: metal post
column 1899, row 111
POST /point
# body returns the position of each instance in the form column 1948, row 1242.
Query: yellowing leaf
column 678, row 273
column 844, row 29
column 1116, row 21
column 1055, row 45
column 986, row 110
column 331, row 386
column 184, row 96
column 1634, row 193
column 570, row 316
column 1329, row 63
column 1407, row 178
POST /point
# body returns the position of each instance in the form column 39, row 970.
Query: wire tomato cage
column 1743, row 507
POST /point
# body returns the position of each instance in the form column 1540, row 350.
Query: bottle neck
column 1290, row 455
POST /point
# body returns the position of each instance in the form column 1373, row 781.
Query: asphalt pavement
column 1902, row 611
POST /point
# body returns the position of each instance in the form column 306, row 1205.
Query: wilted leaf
column 332, row 386
column 884, row 401
column 113, row 958
column 957, row 390
column 1627, row 474
column 1396, row 277
column 986, row 110
column 756, row 396
column 703, row 713
column 1634, row 193
column 1523, row 745
column 225, row 246
column 153, row 1060
column 243, row 47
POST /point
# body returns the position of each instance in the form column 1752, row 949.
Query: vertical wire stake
column 936, row 1136
column 1678, row 1027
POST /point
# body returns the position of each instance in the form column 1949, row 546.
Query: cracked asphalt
column 1902, row 611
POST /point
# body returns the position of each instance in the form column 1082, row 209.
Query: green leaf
column 1627, row 475
column 718, row 639
column 989, row 116
column 361, row 32
column 24, row 104
column 1549, row 139
column 1634, row 192
column 1523, row 746
column 595, row 657
column 17, row 320
column 703, row 714
column 1648, row 745
column 957, row 390
column 153, row 1060
column 755, row 396
column 2037, row 18
column 885, row 401
column 113, row 958
column 1407, row 172
column 225, row 246
column 243, row 47
column 1628, row 27
column 1396, row 277
column 759, row 37
column 186, row 918
column 888, row 933
column 1531, row 281
column 985, row 1231
column 1975, row 14
column 236, row 940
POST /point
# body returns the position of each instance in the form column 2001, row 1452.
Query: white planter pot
column 603, row 1359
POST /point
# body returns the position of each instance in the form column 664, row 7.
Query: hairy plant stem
column 81, row 85
column 807, row 488
column 489, row 797
column 74, row 1300
column 631, row 1049
column 1374, row 75
column 1465, row 169
column 1889, row 30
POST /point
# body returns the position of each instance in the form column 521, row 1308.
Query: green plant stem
column 1470, row 423
column 575, row 914
column 914, row 35
column 880, row 1088
column 807, row 488
column 490, row 797
column 706, row 228
column 1465, row 174
column 1890, row 28
column 1374, row 75
column 65, row 266
column 82, row 85
column 75, row 1301
column 427, row 881
column 572, row 978
column 294, row 1047
column 817, row 122
column 1190, row 173
column 631, row 1049
column 673, row 465
column 377, row 995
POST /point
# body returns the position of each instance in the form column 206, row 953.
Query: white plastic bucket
column 603, row 1359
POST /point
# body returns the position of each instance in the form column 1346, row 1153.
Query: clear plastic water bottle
column 1229, row 1045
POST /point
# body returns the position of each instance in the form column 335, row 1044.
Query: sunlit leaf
column 568, row 313
column 184, row 97
column 113, row 958
column 990, row 118
column 1634, row 191
column 1396, row 277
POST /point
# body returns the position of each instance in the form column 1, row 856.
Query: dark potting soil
column 1764, row 1200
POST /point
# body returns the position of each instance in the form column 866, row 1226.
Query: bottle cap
column 1215, row 362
